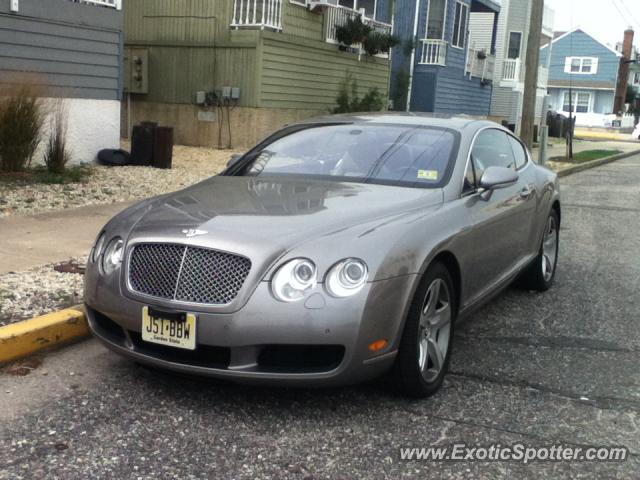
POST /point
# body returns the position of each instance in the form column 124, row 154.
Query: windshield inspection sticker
column 428, row 174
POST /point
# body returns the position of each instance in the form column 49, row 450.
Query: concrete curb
column 596, row 163
column 24, row 338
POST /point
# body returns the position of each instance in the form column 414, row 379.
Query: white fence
column 117, row 4
column 434, row 52
column 257, row 13
column 480, row 64
column 511, row 69
column 337, row 16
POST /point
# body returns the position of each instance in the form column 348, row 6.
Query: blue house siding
column 455, row 94
column 423, row 94
column 440, row 89
column 74, row 50
column 600, row 85
column 580, row 44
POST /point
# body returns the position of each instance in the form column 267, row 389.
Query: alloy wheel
column 549, row 248
column 434, row 330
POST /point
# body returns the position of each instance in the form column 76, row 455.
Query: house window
column 636, row 78
column 515, row 44
column 581, row 65
column 369, row 6
column 436, row 18
column 460, row 25
column 580, row 102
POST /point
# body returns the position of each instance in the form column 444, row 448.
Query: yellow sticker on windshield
column 428, row 174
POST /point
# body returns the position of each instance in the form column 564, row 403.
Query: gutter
column 413, row 55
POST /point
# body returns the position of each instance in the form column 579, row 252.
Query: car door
column 500, row 223
column 528, row 196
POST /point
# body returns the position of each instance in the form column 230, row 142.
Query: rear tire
column 425, row 346
column 542, row 271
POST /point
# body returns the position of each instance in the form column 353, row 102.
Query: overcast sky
column 604, row 19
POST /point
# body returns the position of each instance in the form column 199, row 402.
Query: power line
column 624, row 5
column 622, row 15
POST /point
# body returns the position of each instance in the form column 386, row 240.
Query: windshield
column 397, row 155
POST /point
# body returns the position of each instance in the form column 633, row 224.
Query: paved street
column 538, row 369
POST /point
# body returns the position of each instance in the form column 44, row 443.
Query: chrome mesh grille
column 187, row 274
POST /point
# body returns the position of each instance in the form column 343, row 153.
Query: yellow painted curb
column 20, row 339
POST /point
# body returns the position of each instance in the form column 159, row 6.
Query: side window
column 518, row 152
column 492, row 149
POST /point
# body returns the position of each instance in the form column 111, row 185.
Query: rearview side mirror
column 234, row 159
column 498, row 177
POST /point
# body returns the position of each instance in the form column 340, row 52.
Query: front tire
column 425, row 346
column 542, row 272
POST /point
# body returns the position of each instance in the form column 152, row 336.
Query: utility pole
column 531, row 75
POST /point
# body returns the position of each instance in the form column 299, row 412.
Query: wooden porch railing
column 257, row 14
column 434, row 52
column 117, row 4
column 480, row 64
column 511, row 70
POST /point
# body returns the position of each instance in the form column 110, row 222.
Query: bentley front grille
column 187, row 274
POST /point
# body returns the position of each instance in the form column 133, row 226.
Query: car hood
column 280, row 212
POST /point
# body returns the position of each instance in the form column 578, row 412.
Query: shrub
column 56, row 154
column 348, row 100
column 21, row 118
column 378, row 42
column 353, row 31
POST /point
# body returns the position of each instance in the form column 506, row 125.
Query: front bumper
column 322, row 341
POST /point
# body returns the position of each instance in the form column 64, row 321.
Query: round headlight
column 112, row 255
column 97, row 249
column 294, row 280
column 346, row 277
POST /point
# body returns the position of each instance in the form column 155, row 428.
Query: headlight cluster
column 111, row 254
column 296, row 278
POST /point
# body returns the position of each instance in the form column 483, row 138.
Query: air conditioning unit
column 314, row 4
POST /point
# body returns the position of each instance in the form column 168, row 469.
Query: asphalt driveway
column 538, row 369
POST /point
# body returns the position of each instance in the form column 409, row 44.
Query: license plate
column 179, row 331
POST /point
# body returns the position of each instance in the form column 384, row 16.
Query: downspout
column 413, row 54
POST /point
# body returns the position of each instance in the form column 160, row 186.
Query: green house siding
column 302, row 23
column 297, row 74
column 193, row 48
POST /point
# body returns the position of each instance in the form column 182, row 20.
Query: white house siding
column 480, row 30
column 600, row 114
column 91, row 126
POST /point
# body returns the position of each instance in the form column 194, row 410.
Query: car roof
column 456, row 122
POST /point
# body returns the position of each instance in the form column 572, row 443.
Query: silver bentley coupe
column 337, row 250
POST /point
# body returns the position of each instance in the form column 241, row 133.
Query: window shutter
column 567, row 64
column 594, row 65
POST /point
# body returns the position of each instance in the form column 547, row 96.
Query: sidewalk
column 52, row 236
column 558, row 148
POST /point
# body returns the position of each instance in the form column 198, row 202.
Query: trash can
column 163, row 147
column 142, row 140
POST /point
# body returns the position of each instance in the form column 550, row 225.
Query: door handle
column 526, row 192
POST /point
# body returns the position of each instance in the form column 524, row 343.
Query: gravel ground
column 115, row 184
column 38, row 291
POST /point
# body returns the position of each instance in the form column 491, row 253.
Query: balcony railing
column 337, row 16
column 257, row 14
column 434, row 52
column 543, row 77
column 117, row 4
column 511, row 70
column 480, row 64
